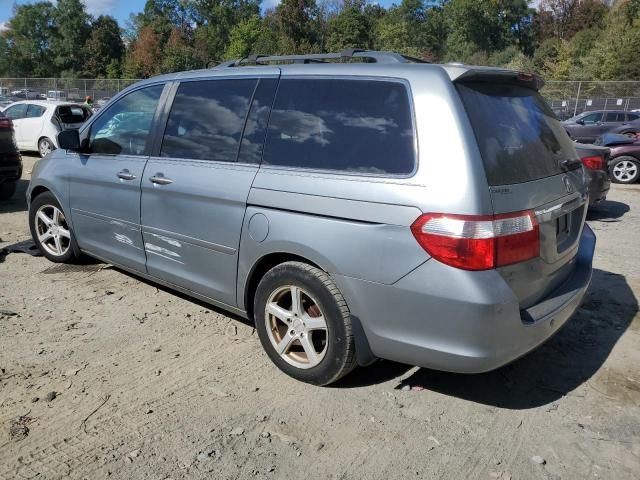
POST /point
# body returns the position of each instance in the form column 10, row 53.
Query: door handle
column 160, row 179
column 126, row 175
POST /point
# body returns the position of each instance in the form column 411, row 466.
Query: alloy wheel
column 625, row 171
column 52, row 230
column 45, row 148
column 296, row 327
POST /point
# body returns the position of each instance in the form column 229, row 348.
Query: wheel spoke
column 315, row 323
column 278, row 312
column 58, row 245
column 56, row 216
column 64, row 232
column 309, row 349
column 43, row 217
column 283, row 345
column 45, row 236
column 296, row 301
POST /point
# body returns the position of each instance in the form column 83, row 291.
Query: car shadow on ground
column 607, row 211
column 18, row 202
column 543, row 376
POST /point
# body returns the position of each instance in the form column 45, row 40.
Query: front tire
column 7, row 189
column 624, row 170
column 304, row 323
column 50, row 230
column 45, row 147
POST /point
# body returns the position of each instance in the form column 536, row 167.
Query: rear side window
column 339, row 124
column 207, row 118
column 519, row 137
column 17, row 111
column 632, row 116
column 35, row 111
column 614, row 117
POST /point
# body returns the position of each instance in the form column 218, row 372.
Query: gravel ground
column 103, row 375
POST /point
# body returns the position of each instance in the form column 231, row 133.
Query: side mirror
column 580, row 122
column 69, row 140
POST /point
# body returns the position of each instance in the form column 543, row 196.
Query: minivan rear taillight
column 479, row 242
column 6, row 123
column 593, row 162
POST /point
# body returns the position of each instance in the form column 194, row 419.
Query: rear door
column 195, row 188
column 610, row 121
column 531, row 164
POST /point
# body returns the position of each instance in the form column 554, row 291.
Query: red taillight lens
column 475, row 242
column 6, row 123
column 595, row 162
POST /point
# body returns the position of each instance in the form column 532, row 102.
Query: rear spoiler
column 460, row 73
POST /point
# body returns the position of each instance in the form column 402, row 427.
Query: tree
column 298, row 25
column 350, row 28
column 103, row 47
column 72, row 30
column 178, row 55
column 251, row 36
column 144, row 54
column 564, row 18
column 28, row 41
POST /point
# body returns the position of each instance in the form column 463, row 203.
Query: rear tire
column 7, row 189
column 50, row 230
column 624, row 169
column 304, row 323
column 45, row 146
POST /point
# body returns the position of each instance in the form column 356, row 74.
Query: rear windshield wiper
column 568, row 165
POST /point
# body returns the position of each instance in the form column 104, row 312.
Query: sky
column 121, row 9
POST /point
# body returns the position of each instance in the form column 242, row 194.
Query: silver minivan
column 355, row 206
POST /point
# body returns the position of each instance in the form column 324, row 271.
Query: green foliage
column 562, row 39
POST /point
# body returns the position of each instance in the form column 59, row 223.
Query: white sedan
column 38, row 122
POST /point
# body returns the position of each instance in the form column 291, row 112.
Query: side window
column 614, row 117
column 339, row 124
column 632, row 116
column 593, row 118
column 35, row 111
column 17, row 111
column 124, row 127
column 255, row 129
column 207, row 118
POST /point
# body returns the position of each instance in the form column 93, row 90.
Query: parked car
column 10, row 160
column 588, row 126
column 624, row 163
column 25, row 93
column 317, row 200
column 60, row 95
column 5, row 101
column 37, row 123
column 596, row 164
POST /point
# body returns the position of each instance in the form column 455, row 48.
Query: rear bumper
column 599, row 185
column 470, row 322
column 10, row 172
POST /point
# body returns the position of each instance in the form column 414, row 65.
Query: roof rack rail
column 370, row 56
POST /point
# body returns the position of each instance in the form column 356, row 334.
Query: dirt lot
column 152, row 385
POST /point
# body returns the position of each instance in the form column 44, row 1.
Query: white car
column 38, row 122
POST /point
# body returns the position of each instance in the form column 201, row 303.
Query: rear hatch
column 531, row 165
column 71, row 116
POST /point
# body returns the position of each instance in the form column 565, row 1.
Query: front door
column 194, row 191
column 31, row 126
column 17, row 114
column 104, row 182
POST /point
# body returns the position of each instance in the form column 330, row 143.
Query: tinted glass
column 519, row 137
column 35, row 111
column 632, row 116
column 349, row 125
column 72, row 113
column 124, row 127
column 207, row 118
column 256, row 126
column 614, row 117
column 593, row 118
column 16, row 112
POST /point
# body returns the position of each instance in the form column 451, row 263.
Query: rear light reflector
column 595, row 162
column 479, row 242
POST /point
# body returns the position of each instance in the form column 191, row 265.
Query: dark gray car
column 595, row 160
column 317, row 199
column 588, row 126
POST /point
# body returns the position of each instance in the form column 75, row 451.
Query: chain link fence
column 566, row 98
column 12, row 89
column 571, row 98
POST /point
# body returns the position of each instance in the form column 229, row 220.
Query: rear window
column 360, row 126
column 519, row 137
column 72, row 114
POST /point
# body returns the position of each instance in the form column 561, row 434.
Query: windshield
column 519, row 137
